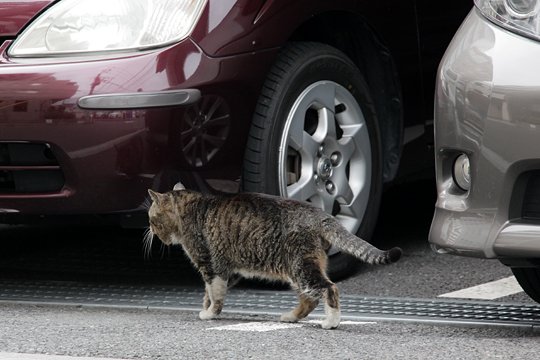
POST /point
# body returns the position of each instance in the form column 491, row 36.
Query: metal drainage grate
column 436, row 311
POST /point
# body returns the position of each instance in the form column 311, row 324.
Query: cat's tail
column 359, row 248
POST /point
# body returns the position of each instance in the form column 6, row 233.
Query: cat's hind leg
column 309, row 301
column 312, row 283
column 331, row 307
column 215, row 290
column 306, row 306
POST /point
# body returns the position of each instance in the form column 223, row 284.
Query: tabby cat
column 258, row 236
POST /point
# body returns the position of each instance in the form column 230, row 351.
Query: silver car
column 487, row 136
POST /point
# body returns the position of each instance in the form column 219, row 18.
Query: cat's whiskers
column 147, row 203
column 147, row 243
column 165, row 248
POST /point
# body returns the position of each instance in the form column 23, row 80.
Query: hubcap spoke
column 306, row 145
column 323, row 201
column 299, row 139
column 347, row 147
column 355, row 141
column 357, row 207
column 327, row 203
column 327, row 125
column 303, row 189
column 324, row 95
column 344, row 191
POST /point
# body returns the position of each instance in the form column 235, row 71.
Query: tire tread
column 529, row 280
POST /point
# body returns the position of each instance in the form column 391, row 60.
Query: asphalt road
column 139, row 334
column 75, row 254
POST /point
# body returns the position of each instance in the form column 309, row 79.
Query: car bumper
column 92, row 135
column 487, row 107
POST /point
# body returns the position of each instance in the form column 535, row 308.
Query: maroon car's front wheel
column 314, row 138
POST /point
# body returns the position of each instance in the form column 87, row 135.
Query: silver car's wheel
column 314, row 137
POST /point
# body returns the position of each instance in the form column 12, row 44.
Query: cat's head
column 162, row 218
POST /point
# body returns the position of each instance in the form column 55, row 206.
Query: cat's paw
column 331, row 322
column 289, row 317
column 207, row 315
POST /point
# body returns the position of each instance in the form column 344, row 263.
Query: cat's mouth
column 166, row 240
column 174, row 240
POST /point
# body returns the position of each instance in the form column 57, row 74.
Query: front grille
column 27, row 168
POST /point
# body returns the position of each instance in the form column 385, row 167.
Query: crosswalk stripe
column 260, row 326
column 488, row 291
column 345, row 322
column 257, row 326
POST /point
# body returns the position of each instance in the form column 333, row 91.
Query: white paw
column 331, row 322
column 288, row 317
column 207, row 315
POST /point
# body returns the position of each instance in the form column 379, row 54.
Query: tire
column 314, row 137
column 529, row 280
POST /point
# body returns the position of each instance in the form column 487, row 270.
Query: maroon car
column 310, row 99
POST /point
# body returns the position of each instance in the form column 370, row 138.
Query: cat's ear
column 155, row 196
column 179, row 186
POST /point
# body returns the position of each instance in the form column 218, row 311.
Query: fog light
column 462, row 172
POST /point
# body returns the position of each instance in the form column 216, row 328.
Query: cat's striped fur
column 255, row 235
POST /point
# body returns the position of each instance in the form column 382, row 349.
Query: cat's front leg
column 206, row 299
column 215, row 291
column 232, row 282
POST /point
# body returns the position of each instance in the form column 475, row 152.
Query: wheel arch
column 354, row 36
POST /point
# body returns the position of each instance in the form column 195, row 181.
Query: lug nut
column 335, row 158
column 330, row 187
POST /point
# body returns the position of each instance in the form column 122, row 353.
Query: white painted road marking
column 16, row 356
column 257, row 326
column 488, row 291
column 272, row 326
column 346, row 322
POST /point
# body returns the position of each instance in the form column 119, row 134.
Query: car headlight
column 520, row 16
column 75, row 27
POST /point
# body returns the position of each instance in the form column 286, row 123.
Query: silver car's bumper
column 488, row 107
